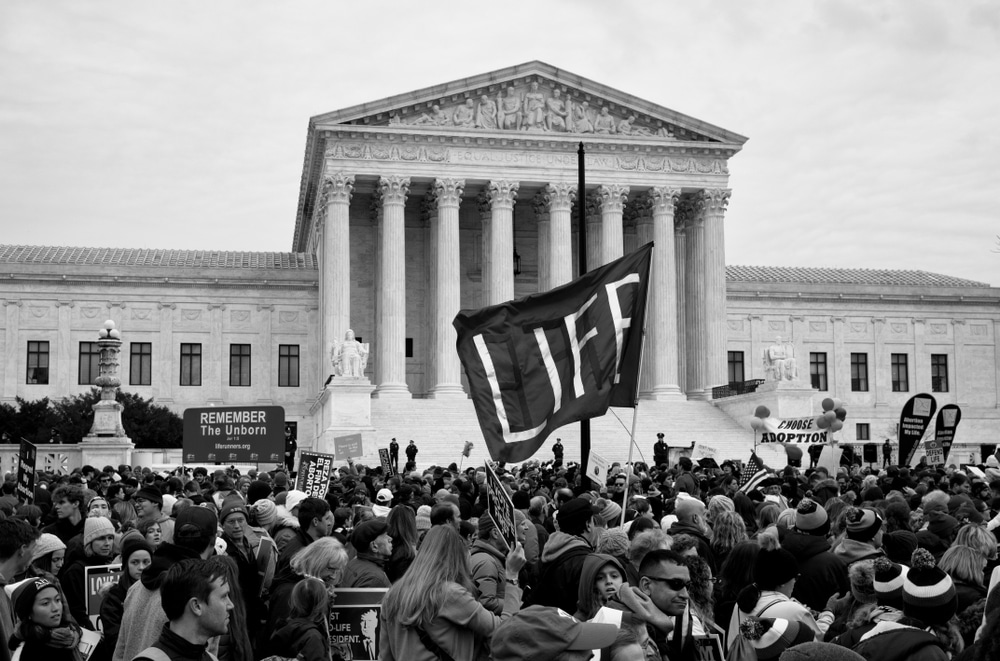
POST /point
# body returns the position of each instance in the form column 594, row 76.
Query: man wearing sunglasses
column 665, row 578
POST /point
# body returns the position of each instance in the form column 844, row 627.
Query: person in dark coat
column 821, row 573
column 562, row 559
column 690, row 514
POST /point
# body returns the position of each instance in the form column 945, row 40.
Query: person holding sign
column 46, row 629
column 98, row 549
column 493, row 565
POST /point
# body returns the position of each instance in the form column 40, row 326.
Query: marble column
column 485, row 217
column 559, row 197
column 164, row 354
column 714, row 203
column 594, row 229
column 662, row 310
column 680, row 271
column 501, row 241
column 335, row 240
column 544, row 234
column 12, row 350
column 447, row 375
column 694, row 302
column 639, row 213
column 612, row 202
column 390, row 303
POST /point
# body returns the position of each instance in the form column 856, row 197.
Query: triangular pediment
column 529, row 98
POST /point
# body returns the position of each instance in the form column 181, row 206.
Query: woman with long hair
column 136, row 555
column 431, row 609
column 46, row 629
column 965, row 566
column 736, row 573
column 98, row 549
column 306, row 635
column 401, row 525
column 728, row 531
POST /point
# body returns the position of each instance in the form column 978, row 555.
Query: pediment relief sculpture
column 534, row 107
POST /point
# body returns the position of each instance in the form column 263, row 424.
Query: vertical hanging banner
column 944, row 428
column 913, row 422
column 25, row 488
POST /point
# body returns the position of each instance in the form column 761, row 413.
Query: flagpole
column 581, row 199
column 635, row 412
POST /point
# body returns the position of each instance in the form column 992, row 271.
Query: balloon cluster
column 760, row 414
column 833, row 415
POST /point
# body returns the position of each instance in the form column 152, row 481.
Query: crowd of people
column 657, row 562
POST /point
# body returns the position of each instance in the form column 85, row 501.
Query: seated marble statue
column 486, row 113
column 465, row 115
column 556, row 112
column 350, row 357
column 604, row 123
column 509, row 113
column 581, row 118
column 534, row 108
column 779, row 361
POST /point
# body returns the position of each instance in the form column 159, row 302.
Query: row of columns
column 685, row 342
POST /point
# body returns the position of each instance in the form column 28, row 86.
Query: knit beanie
column 811, row 519
column 943, row 525
column 613, row 541
column 872, row 494
column 889, row 583
column 928, row 593
column 611, row 514
column 772, row 636
column 899, row 545
column 232, row 506
column 257, row 491
column 423, row 518
column 150, row 493
column 47, row 543
column 131, row 546
column 486, row 524
column 521, row 500
column 774, row 565
column 863, row 524
column 95, row 527
column 862, row 577
column 813, row 651
column 265, row 512
column 24, row 596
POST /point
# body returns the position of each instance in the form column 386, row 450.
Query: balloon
column 822, row 422
column 836, row 425
column 838, row 403
column 757, row 424
column 830, row 416
column 841, row 413
column 828, row 404
column 762, row 412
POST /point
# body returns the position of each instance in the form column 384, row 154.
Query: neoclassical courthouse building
column 464, row 195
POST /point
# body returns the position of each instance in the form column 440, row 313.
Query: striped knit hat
column 863, row 524
column 889, row 583
column 928, row 593
column 772, row 636
column 811, row 519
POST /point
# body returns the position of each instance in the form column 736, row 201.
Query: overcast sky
column 874, row 126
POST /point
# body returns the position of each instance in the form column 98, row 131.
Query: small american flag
column 753, row 474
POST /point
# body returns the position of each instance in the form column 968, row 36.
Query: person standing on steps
column 661, row 452
column 411, row 455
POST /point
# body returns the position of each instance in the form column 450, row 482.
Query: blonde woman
column 965, row 566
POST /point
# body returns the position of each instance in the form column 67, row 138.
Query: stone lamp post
column 107, row 443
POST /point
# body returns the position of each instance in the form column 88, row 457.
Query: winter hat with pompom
column 863, row 524
column 774, row 565
column 811, row 519
column 889, row 583
column 928, row 593
column 772, row 636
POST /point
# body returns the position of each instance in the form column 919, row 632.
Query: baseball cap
column 539, row 633
column 384, row 496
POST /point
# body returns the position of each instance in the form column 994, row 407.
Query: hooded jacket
column 562, row 564
column 892, row 641
column 821, row 573
column 365, row 571
column 851, row 550
column 489, row 571
column 177, row 648
column 587, row 602
column 300, row 639
column 704, row 546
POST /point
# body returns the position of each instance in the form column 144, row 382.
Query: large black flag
column 540, row 362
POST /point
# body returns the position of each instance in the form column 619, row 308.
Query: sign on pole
column 944, row 428
column 315, row 471
column 355, row 626
column 934, row 452
column 348, row 446
column 500, row 507
column 234, row 434
column 913, row 421
column 25, row 487
column 383, row 457
column 597, row 469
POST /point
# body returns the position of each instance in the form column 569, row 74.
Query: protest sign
column 500, row 507
column 597, row 469
column 792, row 430
column 25, row 488
column 355, row 628
column 315, row 471
column 944, row 428
column 383, row 457
column 934, row 452
column 703, row 450
column 916, row 415
column 708, row 648
column 95, row 578
column 234, row 434
column 348, row 446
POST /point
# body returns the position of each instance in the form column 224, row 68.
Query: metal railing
column 736, row 388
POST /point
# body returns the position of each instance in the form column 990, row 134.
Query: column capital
column 664, row 199
column 337, row 187
column 559, row 196
column 393, row 189
column 612, row 197
column 714, row 200
column 448, row 192
column 502, row 193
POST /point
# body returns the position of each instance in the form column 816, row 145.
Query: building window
column 288, row 366
column 736, row 374
column 863, row 431
column 817, row 370
column 900, row 375
column 140, row 366
column 90, row 364
column 38, row 363
column 190, row 364
column 409, row 347
column 939, row 372
column 859, row 372
column 239, row 364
